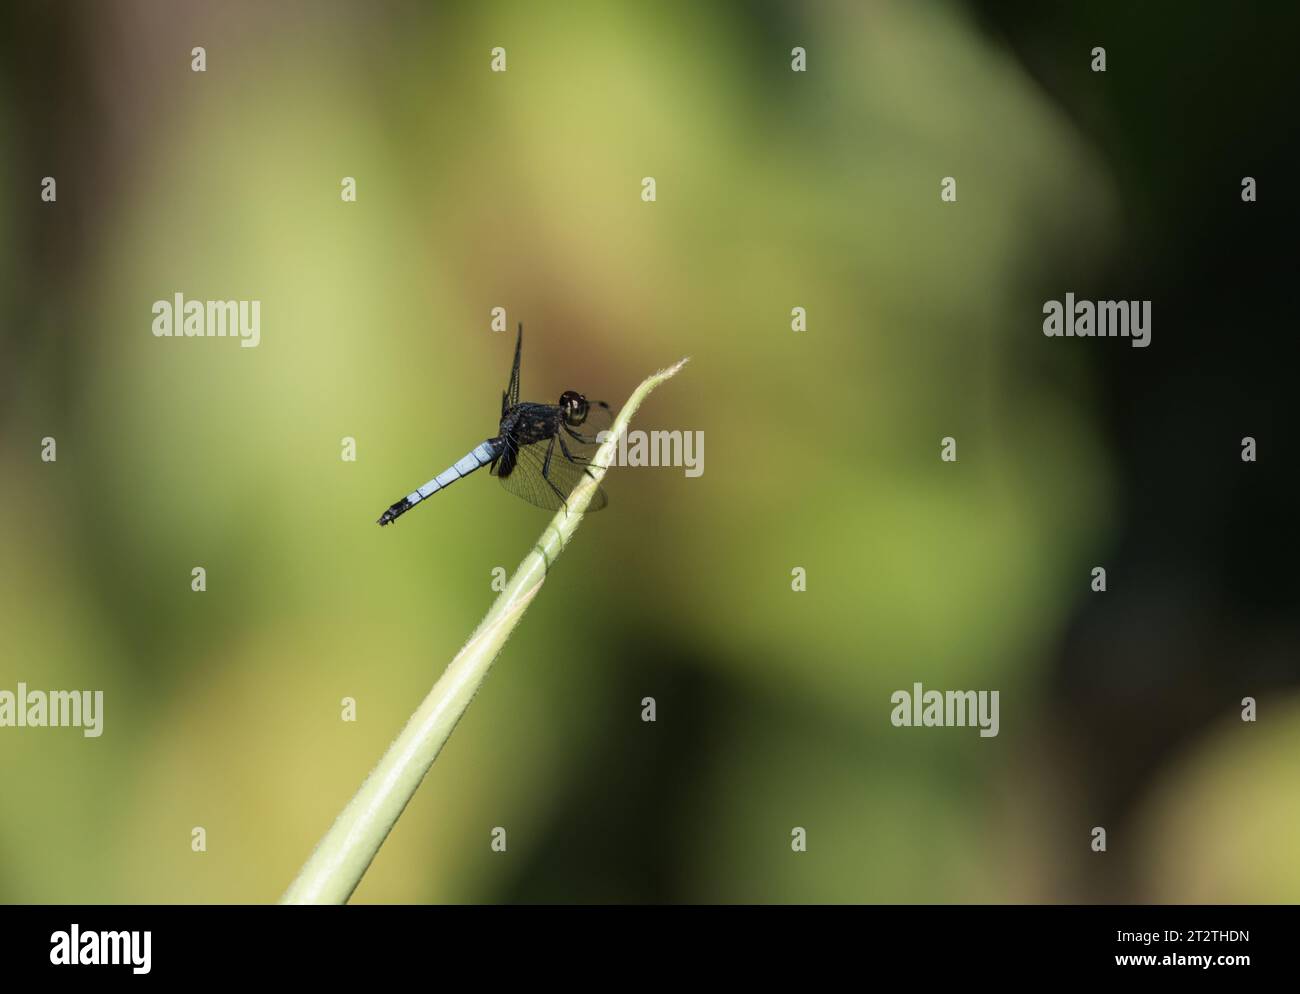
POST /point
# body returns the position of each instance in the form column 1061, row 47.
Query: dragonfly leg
column 579, row 436
column 580, row 460
column 546, row 473
column 577, row 460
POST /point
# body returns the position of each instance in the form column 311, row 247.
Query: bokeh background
column 775, row 189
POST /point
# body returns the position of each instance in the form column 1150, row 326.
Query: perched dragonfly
column 540, row 452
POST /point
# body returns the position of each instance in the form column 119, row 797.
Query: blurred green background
column 522, row 190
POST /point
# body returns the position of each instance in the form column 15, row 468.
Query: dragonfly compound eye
column 575, row 408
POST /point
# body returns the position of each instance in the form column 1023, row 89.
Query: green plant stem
column 341, row 858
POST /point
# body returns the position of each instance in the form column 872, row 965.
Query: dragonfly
column 540, row 451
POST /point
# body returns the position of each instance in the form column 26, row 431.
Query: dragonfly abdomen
column 479, row 457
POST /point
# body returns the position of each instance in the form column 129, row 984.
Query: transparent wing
column 525, row 472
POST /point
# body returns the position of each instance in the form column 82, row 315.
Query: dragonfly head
column 574, row 406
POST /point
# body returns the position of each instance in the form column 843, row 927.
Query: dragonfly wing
column 511, row 396
column 525, row 472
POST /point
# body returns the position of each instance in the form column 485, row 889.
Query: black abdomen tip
column 392, row 514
